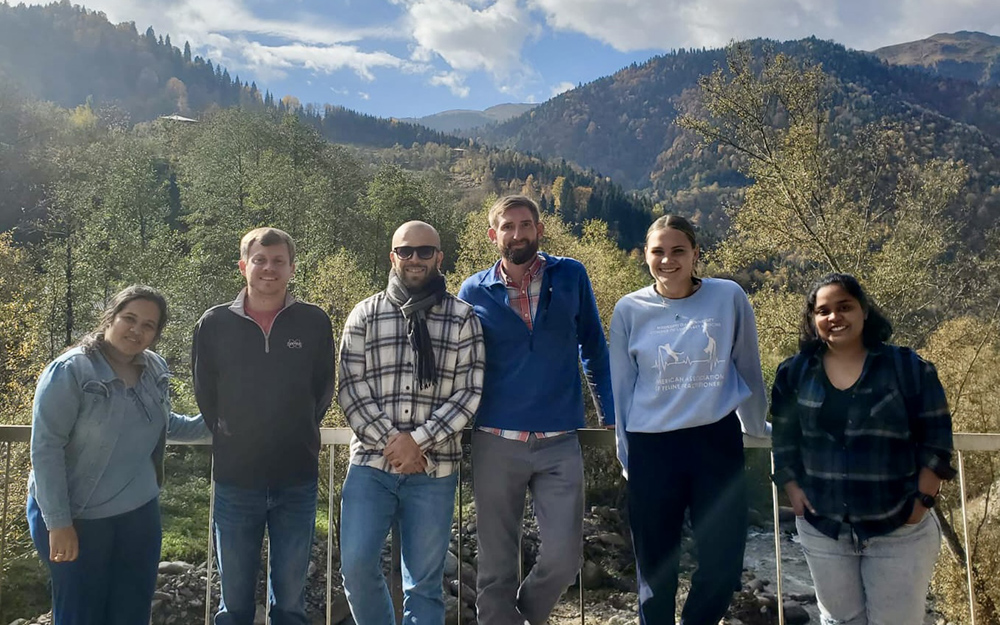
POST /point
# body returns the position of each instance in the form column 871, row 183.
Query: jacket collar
column 492, row 275
column 239, row 304
column 103, row 368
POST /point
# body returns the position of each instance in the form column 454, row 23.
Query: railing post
column 329, row 535
column 6, row 500
column 396, row 575
column 965, row 530
column 458, row 574
column 211, row 544
column 777, row 545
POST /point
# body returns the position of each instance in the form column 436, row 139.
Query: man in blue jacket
column 540, row 322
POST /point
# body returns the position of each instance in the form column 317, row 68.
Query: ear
column 540, row 229
column 697, row 253
column 492, row 234
column 242, row 264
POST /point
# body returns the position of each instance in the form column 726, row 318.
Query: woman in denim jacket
column 862, row 441
column 100, row 421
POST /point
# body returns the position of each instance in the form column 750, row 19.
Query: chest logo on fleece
column 294, row 344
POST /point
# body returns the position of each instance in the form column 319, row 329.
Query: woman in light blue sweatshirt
column 100, row 422
column 685, row 373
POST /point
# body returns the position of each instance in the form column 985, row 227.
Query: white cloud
column 453, row 80
column 325, row 59
column 562, row 87
column 487, row 37
column 363, row 95
column 629, row 25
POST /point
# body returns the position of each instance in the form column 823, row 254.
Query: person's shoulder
column 635, row 298
column 459, row 307
column 156, row 362
column 310, row 310
column 477, row 279
column 563, row 263
column 219, row 311
column 722, row 285
column 73, row 358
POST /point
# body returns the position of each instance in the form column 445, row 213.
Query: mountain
column 623, row 125
column 74, row 57
column 467, row 119
column 964, row 55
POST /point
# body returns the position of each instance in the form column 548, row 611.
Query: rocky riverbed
column 608, row 578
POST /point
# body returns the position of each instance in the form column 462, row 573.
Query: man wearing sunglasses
column 411, row 376
column 540, row 323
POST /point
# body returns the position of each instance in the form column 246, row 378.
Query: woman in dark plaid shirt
column 862, row 441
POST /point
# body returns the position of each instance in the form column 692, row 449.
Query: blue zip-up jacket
column 77, row 414
column 532, row 380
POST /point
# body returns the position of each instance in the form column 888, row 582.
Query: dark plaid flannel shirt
column 868, row 479
column 379, row 391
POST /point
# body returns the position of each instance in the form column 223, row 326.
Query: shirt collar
column 239, row 304
column 535, row 268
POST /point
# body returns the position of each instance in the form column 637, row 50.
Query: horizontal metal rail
column 332, row 437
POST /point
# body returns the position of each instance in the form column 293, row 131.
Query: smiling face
column 516, row 235
column 839, row 317
column 416, row 272
column 134, row 328
column 267, row 269
column 670, row 257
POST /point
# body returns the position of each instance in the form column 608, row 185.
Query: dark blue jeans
column 241, row 515
column 113, row 579
column 699, row 469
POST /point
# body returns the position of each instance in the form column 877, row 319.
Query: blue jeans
column 113, row 579
column 879, row 581
column 241, row 515
column 423, row 506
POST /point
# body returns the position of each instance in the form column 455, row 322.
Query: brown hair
column 507, row 202
column 266, row 237
column 675, row 222
column 91, row 342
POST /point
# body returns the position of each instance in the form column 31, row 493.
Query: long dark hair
column 91, row 341
column 877, row 328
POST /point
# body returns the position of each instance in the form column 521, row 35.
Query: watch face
column 926, row 500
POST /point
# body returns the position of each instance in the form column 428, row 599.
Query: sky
column 409, row 58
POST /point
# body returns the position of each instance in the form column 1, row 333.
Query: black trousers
column 698, row 469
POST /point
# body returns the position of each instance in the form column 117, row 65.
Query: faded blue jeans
column 423, row 506
column 879, row 581
column 241, row 515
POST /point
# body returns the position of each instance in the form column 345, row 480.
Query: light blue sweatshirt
column 683, row 363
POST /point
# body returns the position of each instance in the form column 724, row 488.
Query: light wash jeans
column 241, row 514
column 879, row 581
column 372, row 501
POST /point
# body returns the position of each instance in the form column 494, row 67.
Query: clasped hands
column 404, row 455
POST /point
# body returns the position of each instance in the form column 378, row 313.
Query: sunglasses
column 424, row 252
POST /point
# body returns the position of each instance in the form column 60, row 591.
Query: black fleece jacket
column 263, row 396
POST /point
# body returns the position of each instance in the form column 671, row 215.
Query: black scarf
column 414, row 306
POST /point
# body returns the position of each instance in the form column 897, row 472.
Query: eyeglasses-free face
column 424, row 252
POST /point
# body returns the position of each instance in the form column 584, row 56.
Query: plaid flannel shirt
column 379, row 391
column 869, row 478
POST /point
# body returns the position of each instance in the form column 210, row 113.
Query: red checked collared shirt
column 523, row 298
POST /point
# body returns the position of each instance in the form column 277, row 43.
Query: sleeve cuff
column 940, row 464
column 422, row 438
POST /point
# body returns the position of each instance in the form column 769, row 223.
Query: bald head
column 415, row 234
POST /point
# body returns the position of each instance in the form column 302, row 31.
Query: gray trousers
column 503, row 471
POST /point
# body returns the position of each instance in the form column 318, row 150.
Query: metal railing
column 333, row 437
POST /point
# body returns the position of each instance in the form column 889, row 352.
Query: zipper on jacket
column 267, row 335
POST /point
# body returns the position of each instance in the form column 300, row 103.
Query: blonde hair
column 507, row 202
column 266, row 237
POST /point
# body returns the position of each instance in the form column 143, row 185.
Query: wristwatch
column 926, row 500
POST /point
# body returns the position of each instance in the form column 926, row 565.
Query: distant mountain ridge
column 467, row 119
column 965, row 55
column 623, row 125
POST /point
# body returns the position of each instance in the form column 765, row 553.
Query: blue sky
column 408, row 58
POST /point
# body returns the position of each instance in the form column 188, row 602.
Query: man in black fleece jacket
column 264, row 377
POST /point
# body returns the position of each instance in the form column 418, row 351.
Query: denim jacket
column 76, row 417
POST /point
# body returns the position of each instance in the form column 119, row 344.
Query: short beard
column 421, row 283
column 522, row 255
